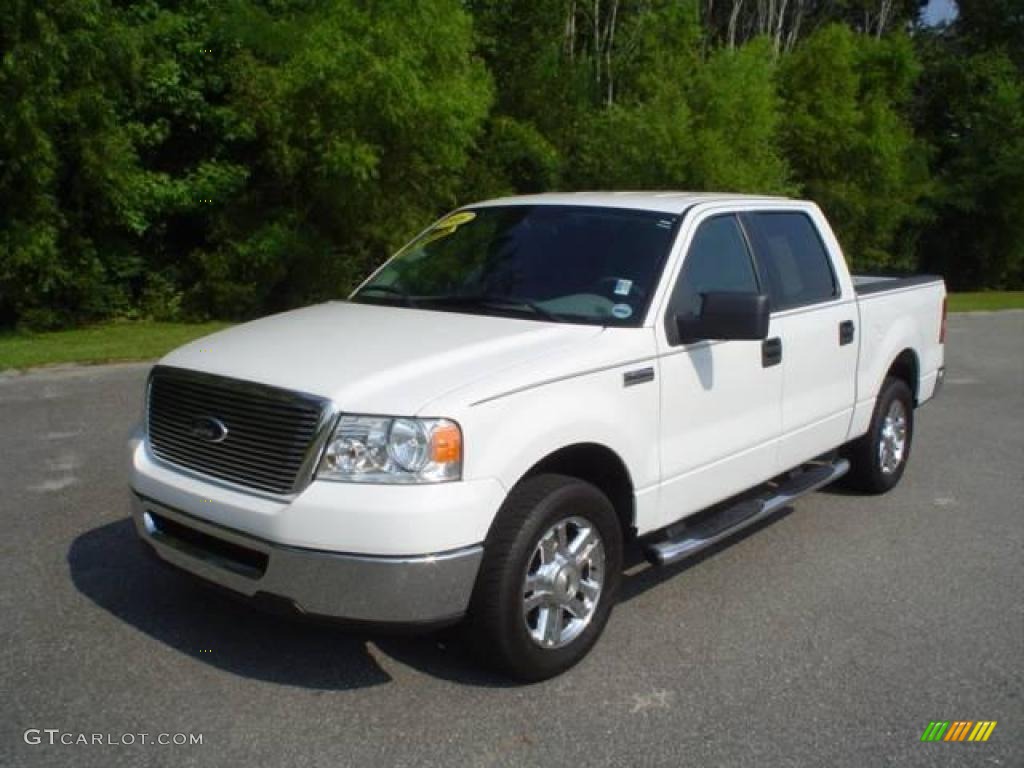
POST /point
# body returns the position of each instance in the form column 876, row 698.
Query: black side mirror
column 733, row 316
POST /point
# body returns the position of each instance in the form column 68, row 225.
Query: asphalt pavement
column 831, row 635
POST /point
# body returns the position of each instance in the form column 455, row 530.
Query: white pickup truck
column 525, row 388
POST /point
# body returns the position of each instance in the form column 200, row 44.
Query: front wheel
column 550, row 576
column 878, row 459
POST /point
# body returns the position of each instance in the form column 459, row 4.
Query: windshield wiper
column 493, row 301
column 391, row 290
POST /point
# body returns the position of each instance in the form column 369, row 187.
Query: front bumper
column 380, row 589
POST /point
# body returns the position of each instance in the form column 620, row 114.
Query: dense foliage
column 223, row 158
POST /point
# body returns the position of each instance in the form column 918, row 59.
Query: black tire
column 866, row 471
column 496, row 618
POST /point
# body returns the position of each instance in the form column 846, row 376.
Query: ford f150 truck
column 529, row 385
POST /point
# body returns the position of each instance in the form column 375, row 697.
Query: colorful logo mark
column 958, row 730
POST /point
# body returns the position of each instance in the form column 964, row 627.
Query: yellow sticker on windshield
column 455, row 220
column 446, row 226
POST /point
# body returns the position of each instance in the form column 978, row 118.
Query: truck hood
column 376, row 359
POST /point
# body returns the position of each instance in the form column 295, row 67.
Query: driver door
column 721, row 401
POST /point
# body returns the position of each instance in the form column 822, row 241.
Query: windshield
column 549, row 262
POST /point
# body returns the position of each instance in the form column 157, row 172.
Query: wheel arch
column 906, row 367
column 598, row 465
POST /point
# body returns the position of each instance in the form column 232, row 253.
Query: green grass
column 98, row 343
column 986, row 301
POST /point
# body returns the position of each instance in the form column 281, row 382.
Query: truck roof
column 666, row 201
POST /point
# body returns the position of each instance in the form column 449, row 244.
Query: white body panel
column 713, row 422
column 892, row 321
column 374, row 359
column 721, row 418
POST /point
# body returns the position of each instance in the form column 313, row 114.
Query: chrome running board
column 685, row 540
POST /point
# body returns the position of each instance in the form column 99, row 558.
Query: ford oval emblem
column 209, row 429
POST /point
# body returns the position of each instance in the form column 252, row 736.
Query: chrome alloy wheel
column 892, row 443
column 563, row 582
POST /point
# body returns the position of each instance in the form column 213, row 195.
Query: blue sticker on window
column 622, row 311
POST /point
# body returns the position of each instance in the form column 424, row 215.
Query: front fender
column 510, row 434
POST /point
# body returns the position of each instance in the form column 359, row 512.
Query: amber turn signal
column 446, row 444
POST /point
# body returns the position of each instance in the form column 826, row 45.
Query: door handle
column 846, row 329
column 771, row 352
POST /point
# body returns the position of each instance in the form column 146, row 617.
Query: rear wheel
column 550, row 575
column 878, row 459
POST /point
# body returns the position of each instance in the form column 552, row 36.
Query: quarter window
column 793, row 258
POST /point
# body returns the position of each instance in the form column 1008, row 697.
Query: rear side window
column 718, row 260
column 792, row 257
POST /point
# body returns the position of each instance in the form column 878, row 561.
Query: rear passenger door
column 815, row 324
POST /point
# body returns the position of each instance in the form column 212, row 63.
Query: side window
column 793, row 258
column 718, row 260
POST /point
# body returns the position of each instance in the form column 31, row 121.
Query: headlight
column 378, row 449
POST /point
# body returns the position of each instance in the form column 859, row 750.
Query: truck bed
column 868, row 284
column 897, row 314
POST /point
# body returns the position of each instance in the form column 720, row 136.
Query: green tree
column 231, row 159
column 111, row 156
column 970, row 108
column 513, row 157
column 975, row 121
column 357, row 128
column 65, row 159
column 850, row 143
column 991, row 25
column 715, row 125
column 210, row 158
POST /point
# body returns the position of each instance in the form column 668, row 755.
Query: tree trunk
column 609, row 44
column 734, row 17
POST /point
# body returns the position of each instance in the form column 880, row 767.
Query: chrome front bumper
column 398, row 590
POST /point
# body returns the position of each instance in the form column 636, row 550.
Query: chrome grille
column 270, row 435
